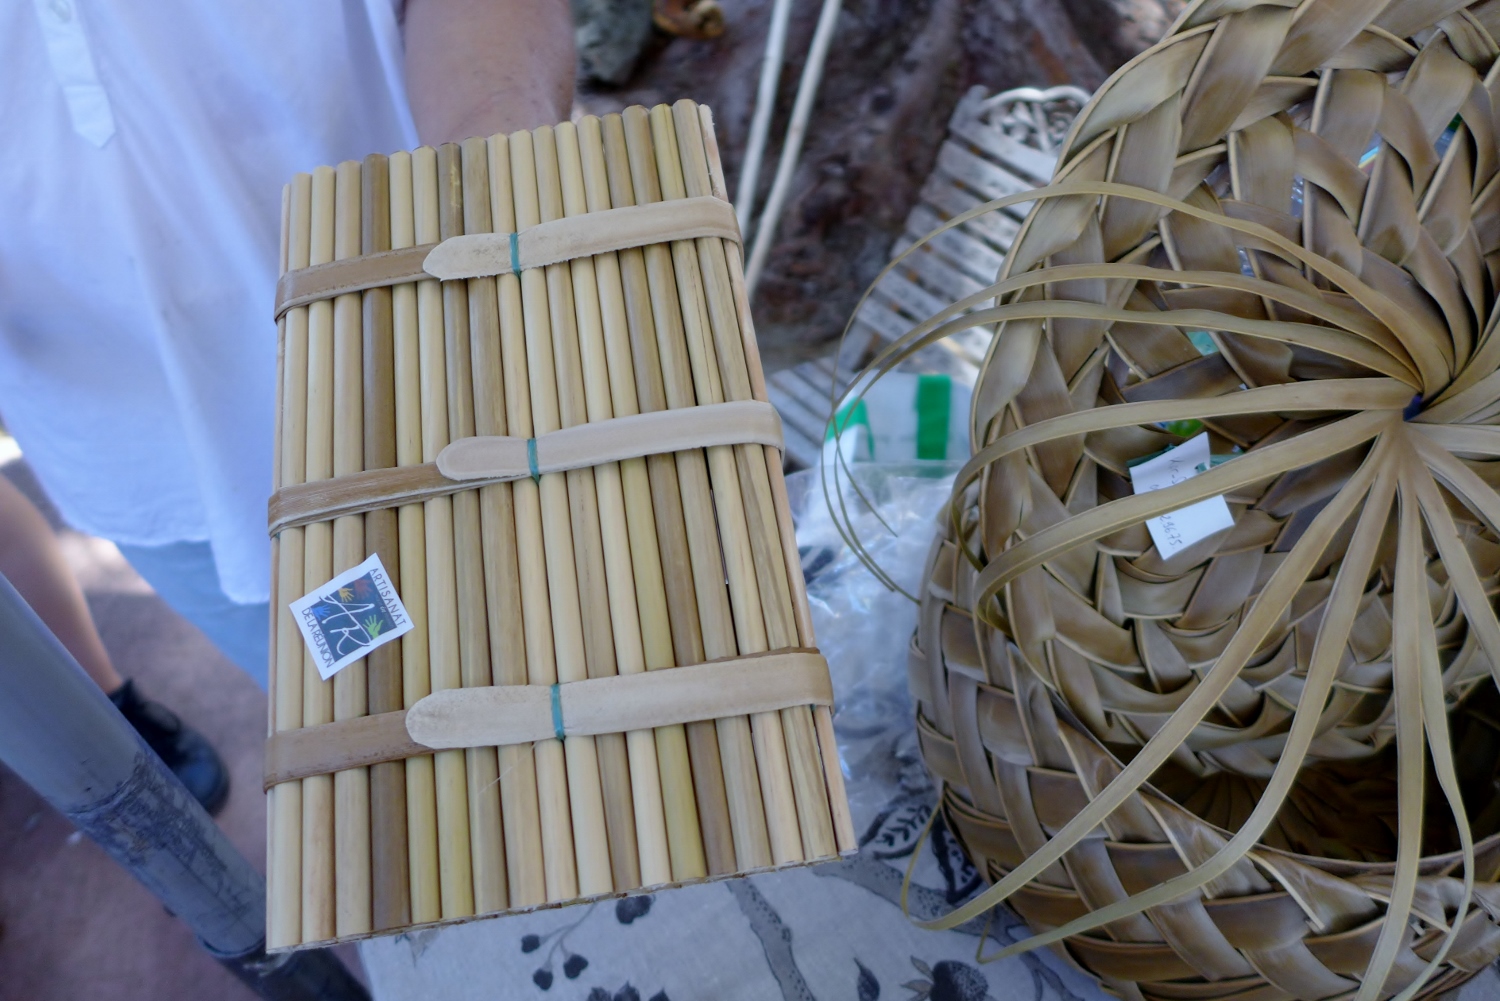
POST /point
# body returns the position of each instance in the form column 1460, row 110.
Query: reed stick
column 644, row 641
column 598, row 295
column 274, row 604
column 390, row 893
column 547, row 299
column 455, row 869
column 487, row 840
column 416, row 678
column 284, row 885
column 520, row 820
column 735, row 532
column 749, row 814
column 845, row 836
column 773, row 572
column 684, row 640
column 351, row 786
column 318, row 922
column 518, row 305
column 574, row 305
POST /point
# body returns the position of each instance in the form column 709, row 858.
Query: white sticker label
column 1176, row 530
column 351, row 615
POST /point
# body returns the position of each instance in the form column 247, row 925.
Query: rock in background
column 611, row 36
column 894, row 74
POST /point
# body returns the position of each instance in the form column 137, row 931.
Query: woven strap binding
column 478, row 255
column 474, row 462
column 521, row 714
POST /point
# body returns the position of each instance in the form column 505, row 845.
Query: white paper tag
column 351, row 615
column 1176, row 530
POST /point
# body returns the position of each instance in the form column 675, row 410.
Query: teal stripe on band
column 536, row 473
column 515, row 254
column 557, row 726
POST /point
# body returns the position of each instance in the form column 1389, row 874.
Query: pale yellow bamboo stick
column 597, row 293
column 773, row 575
column 274, row 601
column 679, row 584
column 284, row 884
column 416, row 679
column 351, row 787
column 317, row 567
column 843, row 822
column 610, row 374
column 736, row 533
column 553, row 810
column 573, row 296
column 521, row 822
column 547, row 300
column 487, row 841
column 765, row 811
column 455, row 870
column 725, row 781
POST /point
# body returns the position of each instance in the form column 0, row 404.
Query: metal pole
column 66, row 740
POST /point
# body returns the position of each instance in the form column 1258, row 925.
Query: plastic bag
column 864, row 628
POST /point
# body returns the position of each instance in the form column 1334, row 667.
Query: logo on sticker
column 351, row 615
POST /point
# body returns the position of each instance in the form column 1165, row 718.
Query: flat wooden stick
column 351, row 787
column 684, row 642
column 773, row 574
column 845, row 837
column 455, row 868
column 317, row 568
column 416, row 677
column 744, row 784
column 518, row 306
column 597, row 291
column 487, row 841
column 502, row 577
column 547, row 299
column 284, row 882
column 390, row 893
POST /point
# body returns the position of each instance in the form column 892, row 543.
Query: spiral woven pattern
column 1257, row 768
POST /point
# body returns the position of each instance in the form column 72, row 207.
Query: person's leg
column 184, row 575
column 32, row 561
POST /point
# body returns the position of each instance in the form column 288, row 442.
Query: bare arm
column 477, row 67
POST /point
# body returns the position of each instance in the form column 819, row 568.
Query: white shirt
column 146, row 145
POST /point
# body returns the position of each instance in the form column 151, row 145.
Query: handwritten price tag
column 1176, row 530
column 351, row 615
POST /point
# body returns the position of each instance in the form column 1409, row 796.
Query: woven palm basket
column 1265, row 767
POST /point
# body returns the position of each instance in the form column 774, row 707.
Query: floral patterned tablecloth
column 828, row 932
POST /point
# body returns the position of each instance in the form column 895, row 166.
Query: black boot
column 181, row 748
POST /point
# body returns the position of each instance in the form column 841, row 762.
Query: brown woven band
column 478, row 255
column 475, row 462
column 522, row 714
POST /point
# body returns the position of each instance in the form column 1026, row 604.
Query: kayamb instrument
column 521, row 371
column 1245, row 750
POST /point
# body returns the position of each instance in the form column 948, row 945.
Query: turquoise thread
column 515, row 254
column 536, row 473
column 557, row 724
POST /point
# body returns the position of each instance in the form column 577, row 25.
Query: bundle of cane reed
column 552, row 430
column 1264, row 767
